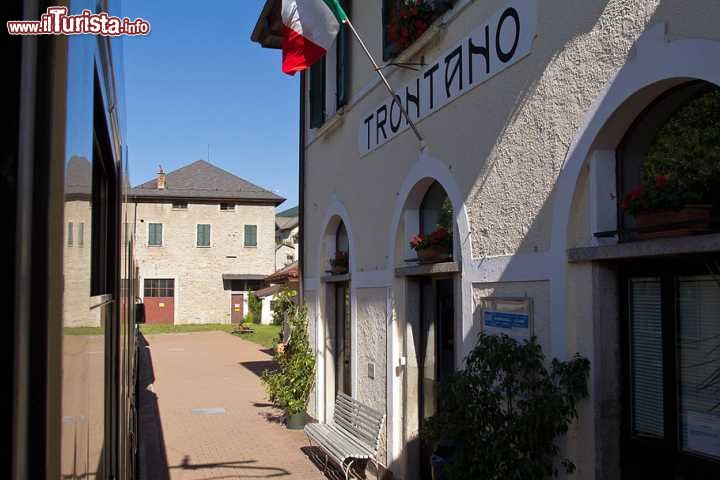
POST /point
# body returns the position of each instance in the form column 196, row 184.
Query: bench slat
column 354, row 403
column 347, row 425
column 358, row 417
column 368, row 418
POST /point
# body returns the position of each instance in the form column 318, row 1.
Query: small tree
column 281, row 305
column 288, row 386
column 504, row 411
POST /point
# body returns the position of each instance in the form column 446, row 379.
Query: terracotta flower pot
column 690, row 220
column 433, row 254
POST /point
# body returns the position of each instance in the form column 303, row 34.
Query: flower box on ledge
column 339, row 264
column 433, row 248
column 434, row 255
column 689, row 220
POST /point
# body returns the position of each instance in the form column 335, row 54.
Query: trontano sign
column 502, row 40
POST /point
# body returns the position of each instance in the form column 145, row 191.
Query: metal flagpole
column 387, row 85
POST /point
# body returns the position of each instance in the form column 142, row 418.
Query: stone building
column 571, row 151
column 76, row 245
column 205, row 238
column 287, row 231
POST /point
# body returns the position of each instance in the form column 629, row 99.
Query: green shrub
column 505, row 410
column 254, row 314
column 281, row 304
column 288, row 386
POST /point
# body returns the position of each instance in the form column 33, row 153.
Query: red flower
column 413, row 11
column 636, row 193
column 417, row 240
column 404, row 33
column 661, row 181
column 420, row 25
column 626, row 202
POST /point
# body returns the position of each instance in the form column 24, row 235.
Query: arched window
column 342, row 244
column 436, row 212
column 669, row 165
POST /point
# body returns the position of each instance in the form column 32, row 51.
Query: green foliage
column 505, row 410
column 682, row 163
column 446, row 215
column 288, row 386
column 281, row 304
column 254, row 314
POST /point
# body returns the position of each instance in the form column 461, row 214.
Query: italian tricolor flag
column 309, row 29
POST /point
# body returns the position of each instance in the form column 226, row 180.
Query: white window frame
column 162, row 236
column 180, row 209
column 234, row 206
column 210, row 242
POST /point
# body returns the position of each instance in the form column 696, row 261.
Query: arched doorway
column 430, row 310
column 335, row 368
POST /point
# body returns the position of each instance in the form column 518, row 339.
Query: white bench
column 354, row 433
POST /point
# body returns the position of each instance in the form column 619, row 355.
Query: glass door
column 343, row 339
column 436, row 357
column 672, row 370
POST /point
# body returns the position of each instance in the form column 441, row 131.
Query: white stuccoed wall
column 505, row 145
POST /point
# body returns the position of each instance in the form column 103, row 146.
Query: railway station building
column 571, row 153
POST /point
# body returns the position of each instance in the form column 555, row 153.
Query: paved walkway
column 203, row 413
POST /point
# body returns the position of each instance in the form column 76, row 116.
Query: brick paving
column 203, row 413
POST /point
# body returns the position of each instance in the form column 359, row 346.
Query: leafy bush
column 288, row 387
column 254, row 314
column 505, row 410
column 281, row 304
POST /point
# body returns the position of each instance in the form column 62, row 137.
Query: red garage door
column 160, row 300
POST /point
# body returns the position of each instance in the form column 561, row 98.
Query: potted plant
column 524, row 404
column 666, row 207
column 339, row 264
column 288, row 386
column 433, row 247
column 408, row 20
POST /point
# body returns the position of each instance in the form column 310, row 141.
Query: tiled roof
column 287, row 274
column 202, row 180
column 286, row 223
column 78, row 177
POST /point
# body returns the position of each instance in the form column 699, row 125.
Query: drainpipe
column 301, row 194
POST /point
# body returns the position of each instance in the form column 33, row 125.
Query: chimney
column 161, row 179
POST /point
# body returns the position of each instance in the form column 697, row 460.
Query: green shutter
column 251, row 235
column 203, row 235
column 317, row 94
column 155, row 234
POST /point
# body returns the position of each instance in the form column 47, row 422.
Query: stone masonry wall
column 200, row 295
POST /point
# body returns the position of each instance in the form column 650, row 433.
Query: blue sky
column 198, row 79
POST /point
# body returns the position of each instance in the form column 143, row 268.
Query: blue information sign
column 506, row 320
